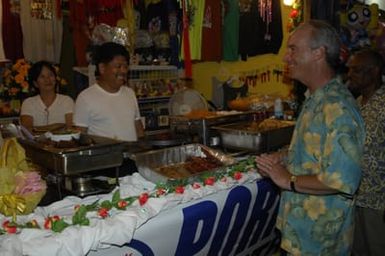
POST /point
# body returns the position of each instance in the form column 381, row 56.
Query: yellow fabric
column 129, row 23
column 11, row 205
column 13, row 155
column 13, row 162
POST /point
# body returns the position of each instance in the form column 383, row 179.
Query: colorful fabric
column 327, row 142
column 371, row 193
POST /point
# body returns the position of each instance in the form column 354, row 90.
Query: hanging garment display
column 230, row 30
column 248, row 28
column 11, row 30
column 186, row 42
column 269, row 24
column 80, row 30
column 42, row 38
column 42, row 9
column 212, row 31
column 105, row 11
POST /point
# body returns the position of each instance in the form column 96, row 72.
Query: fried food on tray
column 191, row 166
column 199, row 114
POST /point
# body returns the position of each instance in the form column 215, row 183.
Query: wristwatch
column 293, row 180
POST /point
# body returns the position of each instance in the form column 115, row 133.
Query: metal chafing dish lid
column 101, row 153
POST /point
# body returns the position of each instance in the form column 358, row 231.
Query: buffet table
column 229, row 217
column 235, row 221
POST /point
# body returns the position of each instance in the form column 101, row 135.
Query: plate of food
column 63, row 135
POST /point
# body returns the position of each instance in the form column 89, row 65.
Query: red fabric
column 212, row 32
column 58, row 9
column 80, row 33
column 186, row 44
column 105, row 11
column 12, row 33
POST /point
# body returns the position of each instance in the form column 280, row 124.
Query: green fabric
column 231, row 30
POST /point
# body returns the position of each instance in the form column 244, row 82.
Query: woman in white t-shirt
column 48, row 107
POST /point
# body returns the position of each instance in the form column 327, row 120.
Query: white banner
column 239, row 221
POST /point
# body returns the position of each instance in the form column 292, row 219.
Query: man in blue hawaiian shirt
column 323, row 167
column 365, row 79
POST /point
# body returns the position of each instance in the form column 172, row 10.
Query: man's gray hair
column 323, row 34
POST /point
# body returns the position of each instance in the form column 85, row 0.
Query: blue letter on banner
column 193, row 215
column 241, row 197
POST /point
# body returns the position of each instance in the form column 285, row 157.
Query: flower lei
column 295, row 16
column 58, row 224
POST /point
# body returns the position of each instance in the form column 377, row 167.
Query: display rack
column 153, row 86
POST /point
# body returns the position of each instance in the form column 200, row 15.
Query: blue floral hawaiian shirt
column 327, row 142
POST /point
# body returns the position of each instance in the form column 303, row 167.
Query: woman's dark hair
column 35, row 71
column 107, row 52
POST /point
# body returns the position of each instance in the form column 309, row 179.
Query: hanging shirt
column 248, row 30
column 230, row 30
column 42, row 38
column 212, row 31
column 327, row 142
column 195, row 29
column 269, row 28
column 12, row 34
column 79, row 26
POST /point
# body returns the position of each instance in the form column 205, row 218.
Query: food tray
column 244, row 136
column 201, row 126
column 150, row 163
column 101, row 153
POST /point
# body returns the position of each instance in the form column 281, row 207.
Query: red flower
column 34, row 223
column 48, row 223
column 9, row 227
column 210, row 181
column 160, row 191
column 294, row 14
column 143, row 198
column 50, row 220
column 103, row 212
column 237, row 175
column 122, row 204
column 76, row 207
column 55, row 218
column 179, row 190
column 196, row 185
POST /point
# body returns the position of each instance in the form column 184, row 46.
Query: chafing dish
column 247, row 136
column 100, row 153
column 201, row 126
column 149, row 163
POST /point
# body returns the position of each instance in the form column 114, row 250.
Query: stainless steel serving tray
column 184, row 123
column 239, row 136
column 148, row 163
column 101, row 153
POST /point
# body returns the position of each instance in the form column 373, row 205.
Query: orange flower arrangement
column 15, row 86
column 15, row 79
